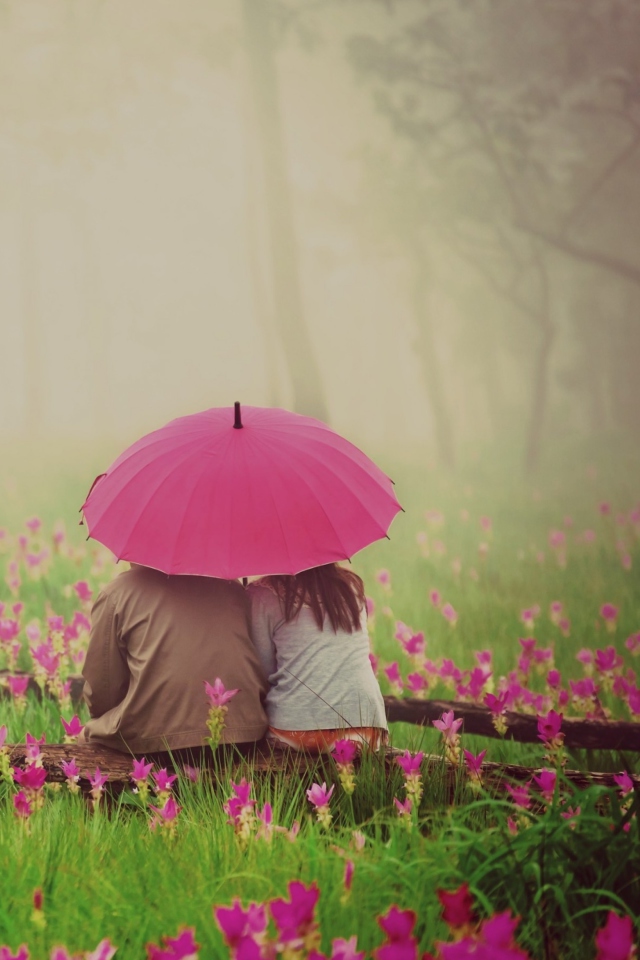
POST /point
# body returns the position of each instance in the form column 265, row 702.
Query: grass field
column 492, row 545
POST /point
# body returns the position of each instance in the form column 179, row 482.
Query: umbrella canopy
column 224, row 494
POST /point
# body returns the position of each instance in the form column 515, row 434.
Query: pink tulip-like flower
column 22, row 805
column 9, row 630
column 392, row 673
column 449, row 614
column 165, row 816
column 72, row 774
column 404, row 808
column 141, row 771
column 614, row 941
column 371, row 607
column 457, row 907
column 554, row 679
column 397, row 926
column 449, row 728
column 435, row 597
column 320, row 797
column 72, row 729
column 240, row 809
column 33, row 524
column 182, row 947
column 347, row 880
column 18, row 686
column 549, row 729
column 624, row 781
column 410, row 763
column 104, row 951
column 97, row 782
column 384, row 579
column 218, row 694
column 414, row 644
column 239, row 926
column 608, row 661
column 520, row 795
column 345, row 949
column 486, row 524
column 192, row 773
column 609, row 614
column 83, row 591
column 295, row 918
column 546, row 783
column 474, row 766
column 632, row 644
column 265, row 823
column 31, row 779
column 33, row 632
column 344, row 751
column 163, row 781
column 3, row 735
column 528, row 618
column 417, row 684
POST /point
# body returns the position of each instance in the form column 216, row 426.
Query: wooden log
column 118, row 765
column 521, row 727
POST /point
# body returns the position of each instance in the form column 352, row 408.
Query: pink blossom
column 520, row 795
column 192, row 773
column 371, row 606
column 624, row 781
column 486, row 524
column 528, row 645
column 416, row 682
column 404, row 809
column 70, row 770
column 344, row 751
column 607, row 660
column 349, row 870
column 392, row 673
column 73, row 728
column 609, row 612
column 319, row 796
column 83, row 591
column 474, row 762
column 18, row 685
column 632, row 643
column 384, row 578
column 163, row 780
column 218, row 693
column 98, row 780
column 497, row 705
column 265, row 816
column 549, row 727
column 32, row 778
column 182, row 947
column 409, row 763
column 141, row 771
column 397, row 925
column 546, row 782
column 104, row 951
column 22, row 806
column 457, row 906
column 295, row 918
column 615, row 940
column 449, row 614
column 3, row 735
column 434, row 596
column 55, row 623
column 166, row 814
column 345, row 949
column 414, row 644
column 238, row 925
column 9, row 629
column 554, row 679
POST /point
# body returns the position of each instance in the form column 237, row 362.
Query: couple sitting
column 295, row 647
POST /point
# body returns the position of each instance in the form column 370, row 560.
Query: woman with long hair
column 310, row 631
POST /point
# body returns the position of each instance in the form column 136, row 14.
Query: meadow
column 479, row 562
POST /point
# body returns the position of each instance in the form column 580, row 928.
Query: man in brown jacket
column 154, row 641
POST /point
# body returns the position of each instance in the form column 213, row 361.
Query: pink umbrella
column 213, row 495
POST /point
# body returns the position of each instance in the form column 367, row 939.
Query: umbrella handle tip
column 237, row 420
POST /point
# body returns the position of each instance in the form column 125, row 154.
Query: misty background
column 418, row 221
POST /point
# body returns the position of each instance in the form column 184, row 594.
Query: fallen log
column 521, row 727
column 118, row 765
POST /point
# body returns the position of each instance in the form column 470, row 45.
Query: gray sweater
column 319, row 679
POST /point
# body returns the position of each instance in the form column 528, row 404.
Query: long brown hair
column 329, row 590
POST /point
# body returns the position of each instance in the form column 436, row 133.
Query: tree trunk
column 31, row 320
column 426, row 350
column 298, row 349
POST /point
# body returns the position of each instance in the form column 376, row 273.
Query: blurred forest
column 416, row 219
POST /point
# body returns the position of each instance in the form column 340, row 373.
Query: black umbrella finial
column 237, row 421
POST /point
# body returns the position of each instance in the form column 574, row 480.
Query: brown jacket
column 154, row 641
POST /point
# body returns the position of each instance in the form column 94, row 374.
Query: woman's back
column 320, row 677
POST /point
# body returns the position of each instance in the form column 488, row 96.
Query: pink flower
column 609, row 614
column 486, row 524
column 73, row 728
column 192, row 773
column 33, row 524
column 413, row 644
column 164, row 815
column 3, row 735
column 554, row 679
column 344, row 751
column 319, row 796
column 624, row 781
column 70, row 770
column 141, row 771
column 448, row 726
column 83, row 590
column 549, row 727
column 104, row 951
column 31, row 779
column 392, row 672
column 404, row 809
column 238, row 925
column 295, row 918
column 450, row 614
column 349, row 870
column 434, row 596
column 417, row 682
column 218, row 693
column 520, row 795
column 384, row 579
column 163, row 780
column 409, row 763
column 615, row 940
column 346, row 949
column 22, row 806
column 265, row 817
column 397, row 925
column 546, row 782
column 497, row 705
column 18, row 685
column 474, row 763
column 457, row 906
column 182, row 947
column 97, row 782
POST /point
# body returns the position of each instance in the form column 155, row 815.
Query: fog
column 416, row 220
